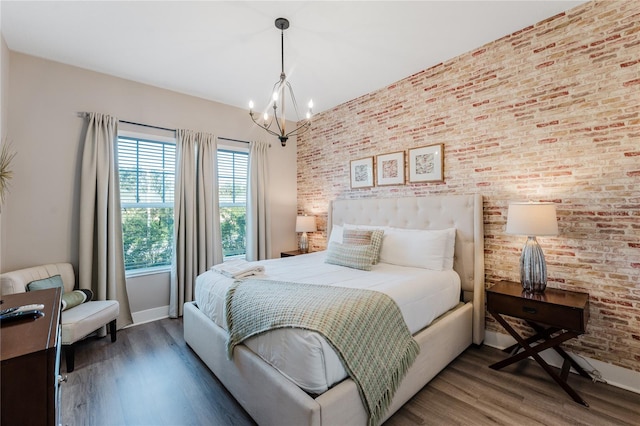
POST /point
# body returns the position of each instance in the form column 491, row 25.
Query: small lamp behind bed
column 532, row 219
column 305, row 224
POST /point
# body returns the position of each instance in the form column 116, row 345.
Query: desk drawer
column 564, row 317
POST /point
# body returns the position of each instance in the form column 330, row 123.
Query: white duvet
column 304, row 356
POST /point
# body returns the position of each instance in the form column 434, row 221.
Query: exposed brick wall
column 549, row 113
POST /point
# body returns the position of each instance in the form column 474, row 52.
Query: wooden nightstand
column 291, row 253
column 555, row 315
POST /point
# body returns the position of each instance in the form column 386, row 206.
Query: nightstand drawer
column 562, row 309
column 292, row 253
column 553, row 315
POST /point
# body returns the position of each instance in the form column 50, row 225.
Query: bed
column 272, row 398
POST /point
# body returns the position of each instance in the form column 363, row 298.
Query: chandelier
column 276, row 124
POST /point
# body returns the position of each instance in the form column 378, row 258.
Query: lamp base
column 533, row 267
column 304, row 243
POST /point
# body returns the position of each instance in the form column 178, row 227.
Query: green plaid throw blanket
column 365, row 328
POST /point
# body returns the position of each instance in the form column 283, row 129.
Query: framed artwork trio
column 424, row 164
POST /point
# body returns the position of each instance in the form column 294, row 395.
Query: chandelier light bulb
column 266, row 117
column 308, row 115
column 275, row 96
column 310, row 103
column 251, row 105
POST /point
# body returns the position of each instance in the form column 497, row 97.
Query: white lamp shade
column 306, row 224
column 532, row 219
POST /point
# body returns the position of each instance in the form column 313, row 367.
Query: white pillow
column 336, row 235
column 451, row 248
column 428, row 249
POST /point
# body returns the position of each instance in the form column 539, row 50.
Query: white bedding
column 304, row 356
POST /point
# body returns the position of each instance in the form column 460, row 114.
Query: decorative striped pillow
column 350, row 255
column 363, row 237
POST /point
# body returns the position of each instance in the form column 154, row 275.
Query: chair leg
column 69, row 354
column 112, row 330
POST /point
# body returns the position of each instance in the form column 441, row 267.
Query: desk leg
column 528, row 350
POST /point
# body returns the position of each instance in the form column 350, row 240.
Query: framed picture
column 362, row 173
column 390, row 169
column 426, row 164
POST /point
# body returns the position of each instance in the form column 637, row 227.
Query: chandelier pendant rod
column 281, row 52
column 283, row 79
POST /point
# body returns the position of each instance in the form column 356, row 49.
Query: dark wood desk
column 555, row 315
column 30, row 359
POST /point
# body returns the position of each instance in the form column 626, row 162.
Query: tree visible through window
column 232, row 184
column 147, row 180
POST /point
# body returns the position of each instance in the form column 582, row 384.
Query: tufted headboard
column 463, row 212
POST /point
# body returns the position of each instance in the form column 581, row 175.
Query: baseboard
column 148, row 315
column 616, row 376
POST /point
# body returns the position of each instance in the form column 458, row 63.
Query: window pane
column 147, row 170
column 147, row 237
column 233, row 226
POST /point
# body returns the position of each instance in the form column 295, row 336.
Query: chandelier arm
column 306, row 126
column 277, row 87
column 293, row 99
column 275, row 118
column 264, row 125
column 267, row 128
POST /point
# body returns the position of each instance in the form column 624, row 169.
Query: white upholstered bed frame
column 272, row 399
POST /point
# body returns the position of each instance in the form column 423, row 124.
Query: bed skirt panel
column 268, row 397
column 272, row 399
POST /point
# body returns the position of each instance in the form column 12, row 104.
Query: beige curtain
column 198, row 244
column 258, row 203
column 101, row 261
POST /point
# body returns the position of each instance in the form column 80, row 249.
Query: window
column 147, row 180
column 232, row 190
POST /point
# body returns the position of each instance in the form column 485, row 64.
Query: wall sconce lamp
column 305, row 224
column 532, row 219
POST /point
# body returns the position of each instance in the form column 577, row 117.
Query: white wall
column 4, row 106
column 4, row 84
column 39, row 222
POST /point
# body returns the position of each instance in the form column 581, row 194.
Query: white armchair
column 77, row 322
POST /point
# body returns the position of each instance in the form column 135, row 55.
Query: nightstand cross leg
column 551, row 343
column 540, row 335
column 528, row 350
column 568, row 361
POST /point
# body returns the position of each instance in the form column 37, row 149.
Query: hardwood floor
column 151, row 377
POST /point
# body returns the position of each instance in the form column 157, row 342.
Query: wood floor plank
column 149, row 376
column 504, row 406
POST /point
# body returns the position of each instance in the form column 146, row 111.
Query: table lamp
column 305, row 224
column 532, row 219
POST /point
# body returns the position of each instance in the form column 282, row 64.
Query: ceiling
column 229, row 51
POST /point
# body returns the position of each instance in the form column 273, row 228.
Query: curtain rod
column 86, row 114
